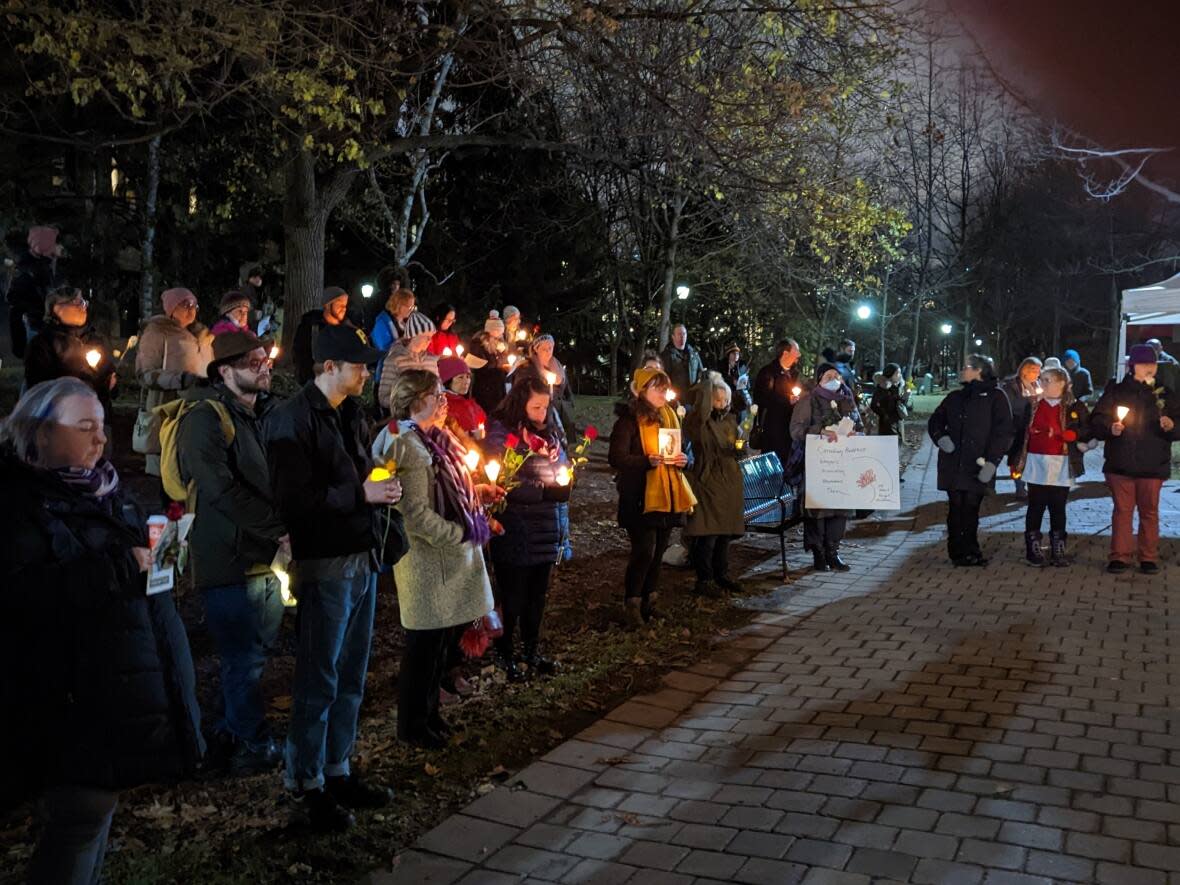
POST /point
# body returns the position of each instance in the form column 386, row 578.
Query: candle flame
column 550, row 378
column 471, row 459
column 284, row 587
column 671, row 394
column 93, row 358
column 521, row 334
column 1122, row 412
column 795, row 391
column 379, row 474
column 274, row 352
column 447, row 351
column 512, row 359
column 459, row 349
column 492, row 469
column 740, row 444
column 563, row 476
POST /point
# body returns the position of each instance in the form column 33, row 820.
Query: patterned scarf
column 98, row 483
column 666, row 489
column 454, row 493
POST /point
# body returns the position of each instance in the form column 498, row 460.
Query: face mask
column 831, row 385
column 887, row 384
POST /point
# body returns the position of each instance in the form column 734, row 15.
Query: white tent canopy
column 1154, row 305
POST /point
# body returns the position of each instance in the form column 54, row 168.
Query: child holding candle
column 463, row 412
column 1137, row 418
column 1050, row 461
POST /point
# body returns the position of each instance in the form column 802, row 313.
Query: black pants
column 643, row 568
column 824, row 533
column 710, row 556
column 523, row 589
column 962, row 524
column 424, row 662
column 1042, row 498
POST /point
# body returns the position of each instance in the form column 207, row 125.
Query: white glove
column 987, row 472
column 946, row 444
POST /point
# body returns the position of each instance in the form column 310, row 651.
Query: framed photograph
column 669, row 443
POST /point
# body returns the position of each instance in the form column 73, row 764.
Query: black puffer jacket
column 978, row 420
column 319, row 460
column 58, row 351
column 537, row 516
column 98, row 686
column 1144, row 449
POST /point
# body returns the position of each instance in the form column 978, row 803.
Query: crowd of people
column 456, row 476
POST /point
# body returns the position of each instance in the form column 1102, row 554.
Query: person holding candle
column 445, row 341
column 99, row 694
column 535, row 518
column 818, row 413
column 654, row 495
column 489, row 380
column 317, row 452
column 67, row 345
column 411, row 352
column 235, row 535
column 463, row 412
column 442, row 581
column 1023, row 390
column 777, row 387
column 1050, row 461
column 173, row 355
column 972, row 428
column 1137, row 419
column 516, row 335
column 712, row 431
column 544, row 366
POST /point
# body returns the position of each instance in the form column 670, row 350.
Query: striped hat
column 418, row 323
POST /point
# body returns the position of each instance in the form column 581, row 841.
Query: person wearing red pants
column 1138, row 419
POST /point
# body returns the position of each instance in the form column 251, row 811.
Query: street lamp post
column 946, row 329
column 367, row 290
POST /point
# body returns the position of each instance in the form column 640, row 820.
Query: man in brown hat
column 236, row 535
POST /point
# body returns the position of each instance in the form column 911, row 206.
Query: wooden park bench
column 770, row 507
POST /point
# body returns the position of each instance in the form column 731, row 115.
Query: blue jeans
column 331, row 660
column 244, row 620
column 73, row 842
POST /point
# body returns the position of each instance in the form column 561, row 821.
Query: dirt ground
column 228, row 830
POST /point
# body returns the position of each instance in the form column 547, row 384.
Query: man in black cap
column 317, row 443
column 236, row 534
column 332, row 312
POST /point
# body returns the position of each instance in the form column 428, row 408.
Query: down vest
column 98, row 685
column 536, row 519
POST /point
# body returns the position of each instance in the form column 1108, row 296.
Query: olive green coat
column 715, row 476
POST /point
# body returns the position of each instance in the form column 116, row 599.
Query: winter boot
column 649, row 611
column 539, row 665
column 632, row 614
column 819, row 561
column 835, row 563
column 1057, row 549
column 1032, row 549
column 707, row 588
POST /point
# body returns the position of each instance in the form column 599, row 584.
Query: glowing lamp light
column 978, row 342
column 864, row 312
column 471, row 459
column 93, row 358
column 492, row 469
column 682, row 292
column 447, row 352
column 379, row 474
column 1122, row 412
column 946, row 328
column 367, row 290
column 563, row 476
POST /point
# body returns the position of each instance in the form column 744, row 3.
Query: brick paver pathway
column 905, row 722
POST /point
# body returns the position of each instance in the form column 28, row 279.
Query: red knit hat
column 451, row 367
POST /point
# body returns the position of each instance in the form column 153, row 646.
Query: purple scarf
column 453, row 491
column 98, row 483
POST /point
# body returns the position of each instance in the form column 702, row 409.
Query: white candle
column 471, row 459
column 93, row 358
column 492, row 469
column 511, row 359
column 459, row 349
column 671, row 394
column 447, row 351
column 1122, row 412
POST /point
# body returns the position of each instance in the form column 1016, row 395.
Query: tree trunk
column 884, row 314
column 669, row 291
column 147, row 286
column 917, row 333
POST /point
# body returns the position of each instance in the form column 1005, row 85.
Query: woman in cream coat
column 442, row 582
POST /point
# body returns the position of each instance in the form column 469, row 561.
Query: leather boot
column 632, row 615
column 1032, row 549
column 1057, row 549
column 819, row 561
column 835, row 563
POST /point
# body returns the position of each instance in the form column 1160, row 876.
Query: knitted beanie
column 450, row 367
column 1141, row 354
column 510, row 312
column 331, row 294
column 231, row 300
column 42, row 240
column 493, row 324
column 172, row 298
column 418, row 323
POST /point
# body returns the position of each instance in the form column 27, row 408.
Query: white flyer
column 852, row 473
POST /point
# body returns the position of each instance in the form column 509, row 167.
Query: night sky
column 1107, row 68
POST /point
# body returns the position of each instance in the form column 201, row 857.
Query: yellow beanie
column 642, row 378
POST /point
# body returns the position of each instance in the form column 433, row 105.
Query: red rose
column 1070, row 436
column 175, row 511
column 511, row 441
column 536, row 444
column 591, row 433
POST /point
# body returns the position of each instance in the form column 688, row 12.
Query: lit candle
column 511, row 360
column 447, row 351
column 471, row 459
column 492, row 469
column 521, row 334
column 1122, row 412
column 563, row 476
column 550, row 378
column 274, row 352
column 482, row 431
column 93, row 358
column 740, row 444
column 459, row 349
column 795, row 391
column 284, row 587
column 671, row 394
column 379, row 474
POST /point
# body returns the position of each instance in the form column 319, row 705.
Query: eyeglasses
column 257, row 365
column 188, row 303
column 79, row 300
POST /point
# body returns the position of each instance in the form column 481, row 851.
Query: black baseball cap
column 344, row 344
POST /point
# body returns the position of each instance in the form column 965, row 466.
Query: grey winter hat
column 418, row 323
column 331, row 294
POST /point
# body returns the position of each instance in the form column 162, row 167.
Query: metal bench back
column 769, row 501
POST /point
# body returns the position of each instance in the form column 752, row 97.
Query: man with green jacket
column 235, row 535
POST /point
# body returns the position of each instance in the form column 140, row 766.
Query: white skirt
column 1047, row 470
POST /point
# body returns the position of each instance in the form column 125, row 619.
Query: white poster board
column 852, row 473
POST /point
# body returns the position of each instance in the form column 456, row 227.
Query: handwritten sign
column 853, row 473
